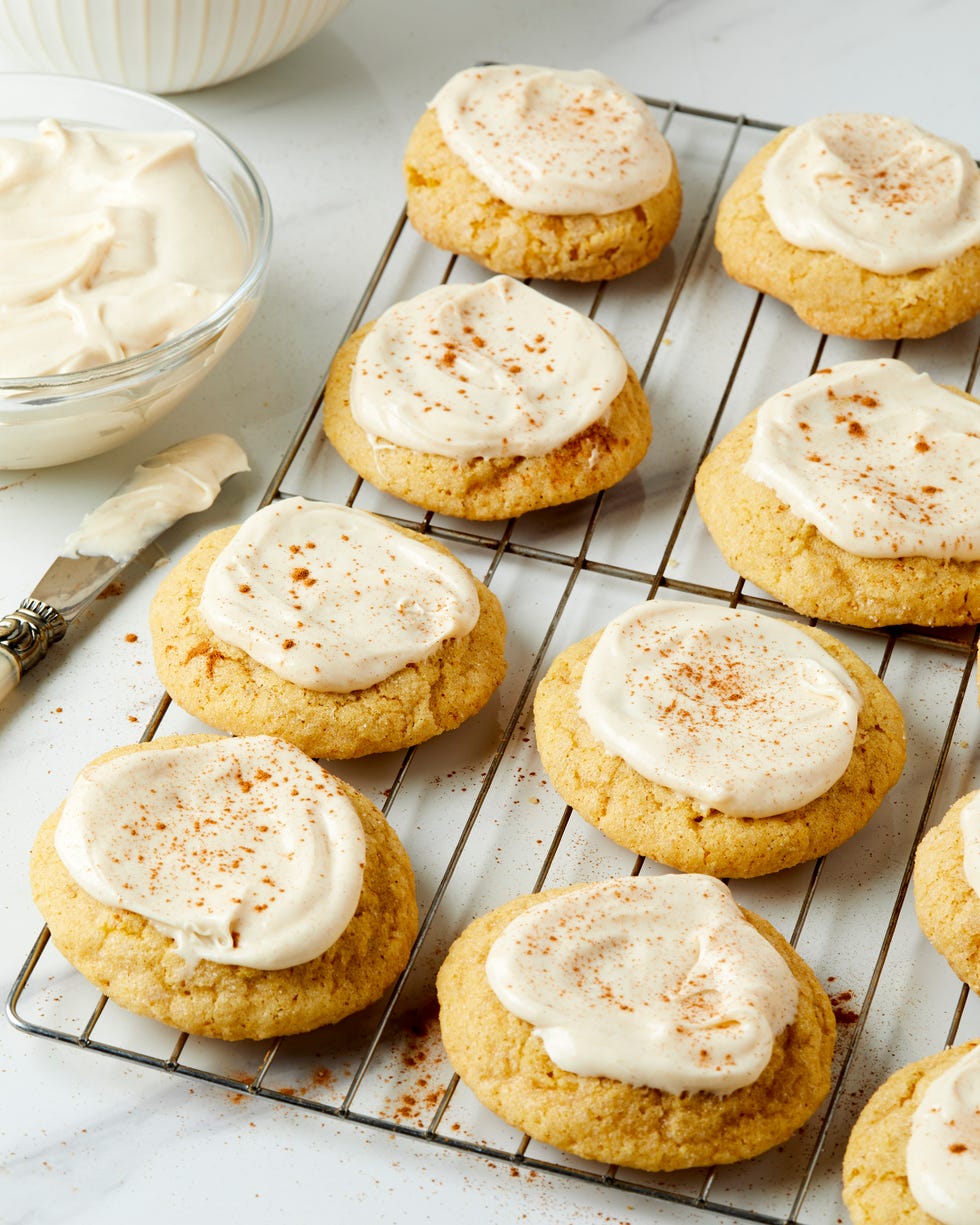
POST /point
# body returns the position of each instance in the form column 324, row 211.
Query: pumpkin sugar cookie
column 485, row 401
column 142, row 880
column 327, row 626
column 947, row 888
column 718, row 740
column 539, row 172
column 849, row 496
column 866, row 225
column 914, row 1153
column 644, row 1021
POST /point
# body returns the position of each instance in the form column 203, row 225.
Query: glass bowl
column 55, row 419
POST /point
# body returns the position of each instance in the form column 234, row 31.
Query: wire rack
column 482, row 824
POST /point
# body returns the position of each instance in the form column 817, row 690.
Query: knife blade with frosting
column 161, row 490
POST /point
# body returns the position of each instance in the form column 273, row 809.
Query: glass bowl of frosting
column 134, row 248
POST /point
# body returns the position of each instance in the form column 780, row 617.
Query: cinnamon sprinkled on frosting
column 243, row 851
column 738, row 712
column 553, row 141
column 333, row 599
column 943, row 1152
column 877, row 190
column 487, row 370
column 650, row 980
column 888, row 465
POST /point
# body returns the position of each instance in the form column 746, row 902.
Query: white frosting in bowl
column 48, row 419
column 111, row 243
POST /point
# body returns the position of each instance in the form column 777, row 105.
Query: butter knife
column 161, row 490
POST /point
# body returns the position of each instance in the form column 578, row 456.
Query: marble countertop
column 86, row 1138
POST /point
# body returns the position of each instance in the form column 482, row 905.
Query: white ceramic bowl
column 164, row 46
column 58, row 418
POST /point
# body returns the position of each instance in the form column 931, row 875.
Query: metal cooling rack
column 707, row 351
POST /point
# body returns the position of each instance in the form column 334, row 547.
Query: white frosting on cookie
column 488, row 370
column 882, row 461
column 651, row 980
column 738, row 712
column 942, row 1157
column 970, row 829
column 242, row 850
column 553, row 141
column 333, row 599
column 875, row 189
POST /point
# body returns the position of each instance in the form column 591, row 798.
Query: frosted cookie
column 646, row 1021
column 485, row 401
column 329, row 627
column 718, row 740
column 229, row 887
column 540, row 172
column 849, row 496
column 914, row 1154
column 865, row 225
column 947, row 888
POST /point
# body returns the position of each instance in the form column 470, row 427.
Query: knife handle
column 9, row 672
column 25, row 636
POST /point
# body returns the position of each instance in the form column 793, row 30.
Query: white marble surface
column 87, row 1138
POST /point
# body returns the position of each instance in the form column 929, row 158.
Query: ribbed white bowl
column 163, row 46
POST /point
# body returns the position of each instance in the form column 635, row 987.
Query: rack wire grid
column 482, row 824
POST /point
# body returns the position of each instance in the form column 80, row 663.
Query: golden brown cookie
column 947, row 907
column 505, row 1064
column 129, row 960
column 651, row 819
column 482, row 489
column 832, row 293
column 761, row 539
column 455, row 211
column 876, row 1189
column 223, row 686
